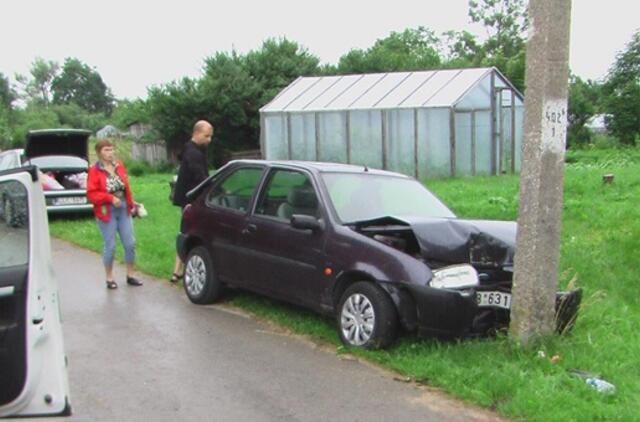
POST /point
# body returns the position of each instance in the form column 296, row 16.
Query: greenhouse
column 427, row 124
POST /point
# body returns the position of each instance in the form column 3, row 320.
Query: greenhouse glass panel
column 519, row 129
column 379, row 90
column 456, row 87
column 404, row 90
column 483, row 142
column 332, row 137
column 506, row 139
column 478, row 97
column 276, row 137
column 401, row 141
column 303, row 136
column 289, row 94
column 363, row 84
column 463, row 144
column 431, row 87
column 365, row 131
column 333, row 92
column 312, row 93
column 433, row 143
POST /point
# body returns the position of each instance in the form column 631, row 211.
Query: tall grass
column 599, row 251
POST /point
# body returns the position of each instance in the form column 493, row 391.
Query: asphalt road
column 147, row 353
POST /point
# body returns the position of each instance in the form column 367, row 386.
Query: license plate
column 494, row 299
column 70, row 200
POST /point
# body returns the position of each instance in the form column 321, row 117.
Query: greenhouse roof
column 433, row 88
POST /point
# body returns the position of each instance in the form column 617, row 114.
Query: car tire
column 200, row 282
column 366, row 317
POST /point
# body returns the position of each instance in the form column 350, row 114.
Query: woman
column 109, row 192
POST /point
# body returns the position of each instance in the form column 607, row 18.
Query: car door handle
column 251, row 228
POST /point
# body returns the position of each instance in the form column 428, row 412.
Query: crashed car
column 373, row 248
column 62, row 156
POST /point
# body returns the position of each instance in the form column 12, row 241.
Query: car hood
column 482, row 243
column 73, row 142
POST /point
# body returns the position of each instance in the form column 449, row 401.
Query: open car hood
column 482, row 243
column 73, row 142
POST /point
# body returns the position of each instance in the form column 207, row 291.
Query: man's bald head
column 202, row 132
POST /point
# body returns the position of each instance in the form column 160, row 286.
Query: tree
column 622, row 93
column 127, row 112
column 412, row 49
column 229, row 95
column 37, row 88
column 174, row 108
column 80, row 84
column 506, row 22
column 461, row 49
column 278, row 63
column 583, row 104
column 7, row 94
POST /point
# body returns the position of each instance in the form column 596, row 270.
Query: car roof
column 322, row 167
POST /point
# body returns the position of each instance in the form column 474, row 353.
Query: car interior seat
column 300, row 200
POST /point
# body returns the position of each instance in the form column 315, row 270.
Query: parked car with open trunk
column 62, row 156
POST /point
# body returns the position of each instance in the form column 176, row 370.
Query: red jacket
column 97, row 190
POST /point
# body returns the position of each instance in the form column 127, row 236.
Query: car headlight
column 455, row 277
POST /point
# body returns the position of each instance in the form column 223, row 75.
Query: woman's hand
column 116, row 202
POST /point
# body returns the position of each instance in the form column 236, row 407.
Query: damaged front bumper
column 449, row 313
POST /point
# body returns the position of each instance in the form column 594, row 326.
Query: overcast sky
column 134, row 44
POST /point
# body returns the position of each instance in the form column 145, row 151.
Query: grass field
column 599, row 251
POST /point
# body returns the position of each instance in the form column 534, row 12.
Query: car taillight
column 187, row 217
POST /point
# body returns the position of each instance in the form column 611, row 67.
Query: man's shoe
column 132, row 281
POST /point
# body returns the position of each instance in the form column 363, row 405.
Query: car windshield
column 359, row 197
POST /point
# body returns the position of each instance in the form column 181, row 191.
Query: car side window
column 236, row 190
column 14, row 224
column 288, row 192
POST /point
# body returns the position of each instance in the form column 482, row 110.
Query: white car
column 33, row 369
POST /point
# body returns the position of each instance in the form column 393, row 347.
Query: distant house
column 138, row 129
column 597, row 124
column 109, row 131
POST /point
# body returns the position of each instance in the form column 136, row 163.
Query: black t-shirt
column 193, row 170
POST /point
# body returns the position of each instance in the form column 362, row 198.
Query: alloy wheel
column 195, row 275
column 357, row 319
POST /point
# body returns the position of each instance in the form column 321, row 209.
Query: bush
column 139, row 168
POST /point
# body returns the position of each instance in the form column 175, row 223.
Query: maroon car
column 375, row 249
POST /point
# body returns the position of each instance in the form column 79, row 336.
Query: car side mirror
column 306, row 222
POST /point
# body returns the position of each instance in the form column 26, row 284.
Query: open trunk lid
column 72, row 142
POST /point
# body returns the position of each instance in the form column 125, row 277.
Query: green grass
column 599, row 249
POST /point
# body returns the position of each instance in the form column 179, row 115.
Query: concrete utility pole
column 545, row 129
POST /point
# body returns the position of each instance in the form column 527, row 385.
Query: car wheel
column 200, row 281
column 367, row 317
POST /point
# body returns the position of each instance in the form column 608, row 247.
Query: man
column 193, row 170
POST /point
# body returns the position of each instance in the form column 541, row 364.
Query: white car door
column 33, row 372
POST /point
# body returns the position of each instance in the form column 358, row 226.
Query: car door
column 224, row 217
column 285, row 262
column 33, row 372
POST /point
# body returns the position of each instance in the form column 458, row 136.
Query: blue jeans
column 120, row 222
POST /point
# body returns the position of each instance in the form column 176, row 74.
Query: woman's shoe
column 111, row 285
column 132, row 281
column 176, row 277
